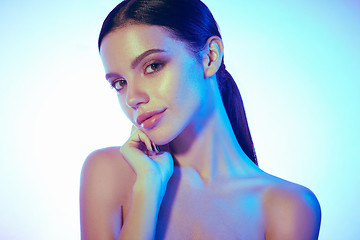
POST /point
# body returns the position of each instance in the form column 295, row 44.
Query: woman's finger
column 133, row 129
column 142, row 137
column 137, row 150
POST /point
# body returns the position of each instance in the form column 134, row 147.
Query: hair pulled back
column 191, row 22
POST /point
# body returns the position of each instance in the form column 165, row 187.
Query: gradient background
column 297, row 64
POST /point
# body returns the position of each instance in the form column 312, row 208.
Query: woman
column 189, row 169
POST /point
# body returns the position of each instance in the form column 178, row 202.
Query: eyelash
column 157, row 65
column 122, row 82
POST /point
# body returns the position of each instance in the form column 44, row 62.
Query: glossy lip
column 140, row 119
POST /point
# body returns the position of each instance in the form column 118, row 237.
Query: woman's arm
column 141, row 219
column 106, row 184
column 153, row 170
column 106, row 181
column 291, row 212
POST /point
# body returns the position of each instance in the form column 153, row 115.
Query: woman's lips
column 150, row 119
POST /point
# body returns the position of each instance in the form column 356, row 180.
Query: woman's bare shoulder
column 106, row 183
column 105, row 156
column 107, row 161
column 291, row 211
column 107, row 167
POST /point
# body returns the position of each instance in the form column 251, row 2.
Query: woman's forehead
column 137, row 38
column 124, row 48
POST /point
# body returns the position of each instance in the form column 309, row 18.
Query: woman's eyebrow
column 138, row 59
column 110, row 75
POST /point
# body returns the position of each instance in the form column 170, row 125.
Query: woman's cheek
column 168, row 86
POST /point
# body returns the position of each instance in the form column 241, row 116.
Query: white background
column 297, row 64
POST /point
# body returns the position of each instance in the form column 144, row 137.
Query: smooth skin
column 199, row 184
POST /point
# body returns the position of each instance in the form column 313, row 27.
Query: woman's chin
column 161, row 141
column 161, row 137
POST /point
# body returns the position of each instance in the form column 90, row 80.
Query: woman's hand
column 153, row 170
column 151, row 166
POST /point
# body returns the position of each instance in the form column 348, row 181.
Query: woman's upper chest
column 221, row 210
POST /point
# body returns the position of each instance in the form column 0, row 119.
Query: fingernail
column 152, row 147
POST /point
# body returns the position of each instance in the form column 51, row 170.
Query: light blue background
column 297, row 64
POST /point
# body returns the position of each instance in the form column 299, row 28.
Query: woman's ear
column 212, row 56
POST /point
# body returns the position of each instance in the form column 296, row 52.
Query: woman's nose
column 135, row 96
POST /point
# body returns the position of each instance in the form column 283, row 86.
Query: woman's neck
column 209, row 146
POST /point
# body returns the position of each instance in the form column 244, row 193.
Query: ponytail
column 234, row 106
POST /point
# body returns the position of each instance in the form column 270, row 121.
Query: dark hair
column 192, row 22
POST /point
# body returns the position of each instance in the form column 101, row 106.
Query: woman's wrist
column 150, row 188
column 142, row 217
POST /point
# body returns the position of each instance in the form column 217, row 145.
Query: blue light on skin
column 296, row 64
column 200, row 138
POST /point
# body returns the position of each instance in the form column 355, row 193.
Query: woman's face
column 160, row 84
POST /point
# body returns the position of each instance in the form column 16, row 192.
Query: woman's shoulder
column 292, row 211
column 106, row 169
column 107, row 161
column 106, row 183
column 104, row 156
column 278, row 187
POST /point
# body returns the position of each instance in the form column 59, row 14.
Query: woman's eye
column 118, row 84
column 153, row 67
